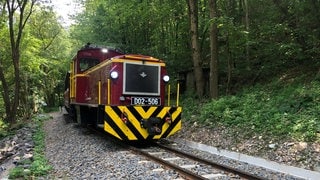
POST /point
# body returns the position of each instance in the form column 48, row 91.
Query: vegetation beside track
column 38, row 165
column 280, row 109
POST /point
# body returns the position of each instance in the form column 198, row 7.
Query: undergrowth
column 39, row 165
column 278, row 110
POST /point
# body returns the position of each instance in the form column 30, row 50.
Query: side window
column 67, row 81
column 86, row 63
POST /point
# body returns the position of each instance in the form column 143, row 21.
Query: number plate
column 151, row 101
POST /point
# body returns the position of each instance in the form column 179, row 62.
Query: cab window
column 86, row 63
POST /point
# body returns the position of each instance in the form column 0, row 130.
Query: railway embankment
column 77, row 153
column 300, row 154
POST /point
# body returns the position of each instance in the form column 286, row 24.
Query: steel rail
column 183, row 172
column 241, row 173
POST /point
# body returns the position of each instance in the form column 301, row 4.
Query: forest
column 250, row 64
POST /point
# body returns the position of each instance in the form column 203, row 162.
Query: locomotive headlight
column 166, row 78
column 114, row 74
column 104, row 50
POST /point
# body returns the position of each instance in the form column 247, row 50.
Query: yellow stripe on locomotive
column 142, row 123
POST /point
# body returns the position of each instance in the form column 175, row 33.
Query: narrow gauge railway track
column 188, row 166
column 173, row 158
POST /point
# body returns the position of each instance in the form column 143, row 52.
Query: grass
column 278, row 110
column 39, row 165
column 3, row 129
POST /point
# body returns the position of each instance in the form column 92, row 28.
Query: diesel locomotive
column 127, row 95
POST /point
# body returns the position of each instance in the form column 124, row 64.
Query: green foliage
column 44, row 59
column 18, row 172
column 40, row 118
column 51, row 109
column 250, row 52
column 3, row 129
column 39, row 165
column 190, row 108
column 142, row 27
column 278, row 110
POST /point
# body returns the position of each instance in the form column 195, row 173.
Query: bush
column 3, row 129
column 279, row 110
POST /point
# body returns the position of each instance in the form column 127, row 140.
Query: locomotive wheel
column 72, row 113
column 86, row 115
column 81, row 112
column 92, row 115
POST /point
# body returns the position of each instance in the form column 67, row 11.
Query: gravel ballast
column 76, row 153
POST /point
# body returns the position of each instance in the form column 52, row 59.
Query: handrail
column 169, row 95
column 99, row 92
column 108, row 99
column 178, row 91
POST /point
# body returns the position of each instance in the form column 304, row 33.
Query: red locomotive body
column 123, row 94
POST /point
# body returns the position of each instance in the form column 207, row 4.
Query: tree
column 214, row 51
column 3, row 53
column 146, row 27
column 251, row 46
column 18, row 13
column 49, row 45
column 246, row 22
column 196, row 58
column 45, row 56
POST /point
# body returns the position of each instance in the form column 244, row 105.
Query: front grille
column 141, row 79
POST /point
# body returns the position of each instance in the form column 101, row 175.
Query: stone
column 301, row 146
column 16, row 159
column 28, row 145
column 316, row 148
column 272, row 146
column 27, row 156
column 290, row 144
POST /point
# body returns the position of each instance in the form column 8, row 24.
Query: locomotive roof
column 121, row 55
column 137, row 57
column 92, row 46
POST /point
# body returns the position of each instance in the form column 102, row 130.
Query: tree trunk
column 15, row 32
column 5, row 92
column 246, row 20
column 230, row 65
column 213, row 51
column 197, row 63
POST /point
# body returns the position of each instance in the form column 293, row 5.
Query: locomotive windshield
column 141, row 79
column 86, row 63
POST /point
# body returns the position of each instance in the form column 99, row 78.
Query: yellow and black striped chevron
column 126, row 122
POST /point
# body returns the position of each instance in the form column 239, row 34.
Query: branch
column 22, row 5
column 51, row 41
